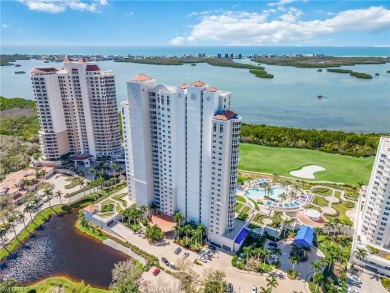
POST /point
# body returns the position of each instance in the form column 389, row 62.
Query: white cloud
column 4, row 26
column 284, row 2
column 245, row 28
column 56, row 6
column 130, row 13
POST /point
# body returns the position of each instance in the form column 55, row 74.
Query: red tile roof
column 226, row 115
column 91, row 208
column 80, row 157
column 92, row 67
column 212, row 89
column 43, row 69
column 140, row 78
column 67, row 59
column 198, row 83
column 182, row 86
column 81, row 60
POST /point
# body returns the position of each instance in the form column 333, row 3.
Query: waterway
column 59, row 249
column 289, row 99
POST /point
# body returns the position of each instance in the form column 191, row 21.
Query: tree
column 187, row 229
column 11, row 221
column 8, row 286
column 201, row 229
column 154, row 233
column 277, row 252
column 3, row 233
column 294, row 260
column 47, row 193
column 361, row 253
column 21, row 216
column 125, row 271
column 287, row 224
column 111, row 166
column 58, row 194
column 178, row 218
column 177, row 230
column 214, row 282
column 317, row 280
column 329, row 226
column 152, row 208
column 277, row 225
column 316, row 266
column 143, row 209
column 265, row 290
column 247, row 250
column 272, row 283
column 265, row 253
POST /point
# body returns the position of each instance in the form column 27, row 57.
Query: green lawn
column 320, row 201
column 93, row 234
column 322, row 191
column 270, row 160
column 240, row 198
column 119, row 197
column 69, row 286
column 341, row 208
column 238, row 207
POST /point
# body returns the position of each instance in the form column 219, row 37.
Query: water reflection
column 58, row 248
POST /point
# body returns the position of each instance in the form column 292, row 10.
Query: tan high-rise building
column 77, row 110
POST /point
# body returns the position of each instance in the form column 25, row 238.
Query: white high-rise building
column 373, row 217
column 181, row 147
column 77, row 110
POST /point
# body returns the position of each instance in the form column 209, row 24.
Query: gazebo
column 305, row 236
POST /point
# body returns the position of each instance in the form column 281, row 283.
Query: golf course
column 339, row 168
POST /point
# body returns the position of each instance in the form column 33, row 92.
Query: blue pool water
column 255, row 193
column 241, row 236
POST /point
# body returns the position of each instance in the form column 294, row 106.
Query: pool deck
column 237, row 228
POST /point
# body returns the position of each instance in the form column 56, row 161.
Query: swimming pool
column 255, row 193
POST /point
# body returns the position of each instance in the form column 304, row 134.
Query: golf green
column 339, row 168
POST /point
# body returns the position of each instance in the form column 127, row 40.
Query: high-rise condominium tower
column 77, row 110
column 373, row 219
column 181, row 145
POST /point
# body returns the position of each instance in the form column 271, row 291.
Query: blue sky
column 163, row 23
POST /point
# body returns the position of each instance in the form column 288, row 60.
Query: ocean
column 289, row 99
column 181, row 50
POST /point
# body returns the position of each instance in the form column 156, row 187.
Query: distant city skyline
column 196, row 23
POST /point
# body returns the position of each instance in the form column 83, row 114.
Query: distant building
column 201, row 55
column 226, row 55
column 181, row 145
column 219, row 55
column 373, row 220
column 77, row 110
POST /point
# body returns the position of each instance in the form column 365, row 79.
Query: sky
column 195, row 23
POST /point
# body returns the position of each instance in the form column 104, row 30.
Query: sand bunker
column 307, row 172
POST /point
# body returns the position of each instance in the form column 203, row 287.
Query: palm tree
column 343, row 241
column 287, row 224
column 11, row 221
column 111, row 166
column 277, row 225
column 275, row 178
column 257, row 252
column 272, row 283
column 361, row 253
column 266, row 253
column 316, row 266
column 187, row 229
column 178, row 218
column 337, row 224
column 28, row 208
column 317, row 279
column 143, row 209
column 3, row 233
column 92, row 171
column 177, row 230
column 21, row 216
column 58, row 194
column 294, row 260
column 201, row 229
column 122, row 213
column 247, row 250
column 153, row 208
column 47, row 193
column 265, row 290
column 328, row 226
column 277, row 252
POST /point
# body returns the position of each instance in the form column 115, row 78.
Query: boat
column 193, row 64
column 47, row 61
column 319, row 70
column 17, row 65
column 20, row 72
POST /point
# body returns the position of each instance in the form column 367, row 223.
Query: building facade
column 77, row 110
column 373, row 217
column 181, row 148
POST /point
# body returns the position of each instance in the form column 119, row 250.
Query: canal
column 59, row 249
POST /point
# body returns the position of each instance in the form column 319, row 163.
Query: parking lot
column 363, row 281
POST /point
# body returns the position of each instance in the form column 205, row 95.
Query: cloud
column 284, row 2
column 130, row 13
column 266, row 27
column 57, row 6
column 4, row 26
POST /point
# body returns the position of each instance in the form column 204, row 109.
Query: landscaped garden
column 252, row 256
column 190, row 235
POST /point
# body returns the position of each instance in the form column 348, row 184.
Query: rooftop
column 198, row 83
column 226, row 115
column 212, row 89
column 43, row 69
column 182, row 86
column 92, row 67
column 164, row 222
column 91, row 208
column 140, row 78
column 80, row 157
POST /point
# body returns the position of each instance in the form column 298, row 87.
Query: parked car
column 165, row 261
column 172, row 265
column 254, row 289
column 272, row 245
column 156, row 271
column 356, row 279
column 212, row 247
column 185, row 255
column 177, row 250
column 229, row 288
